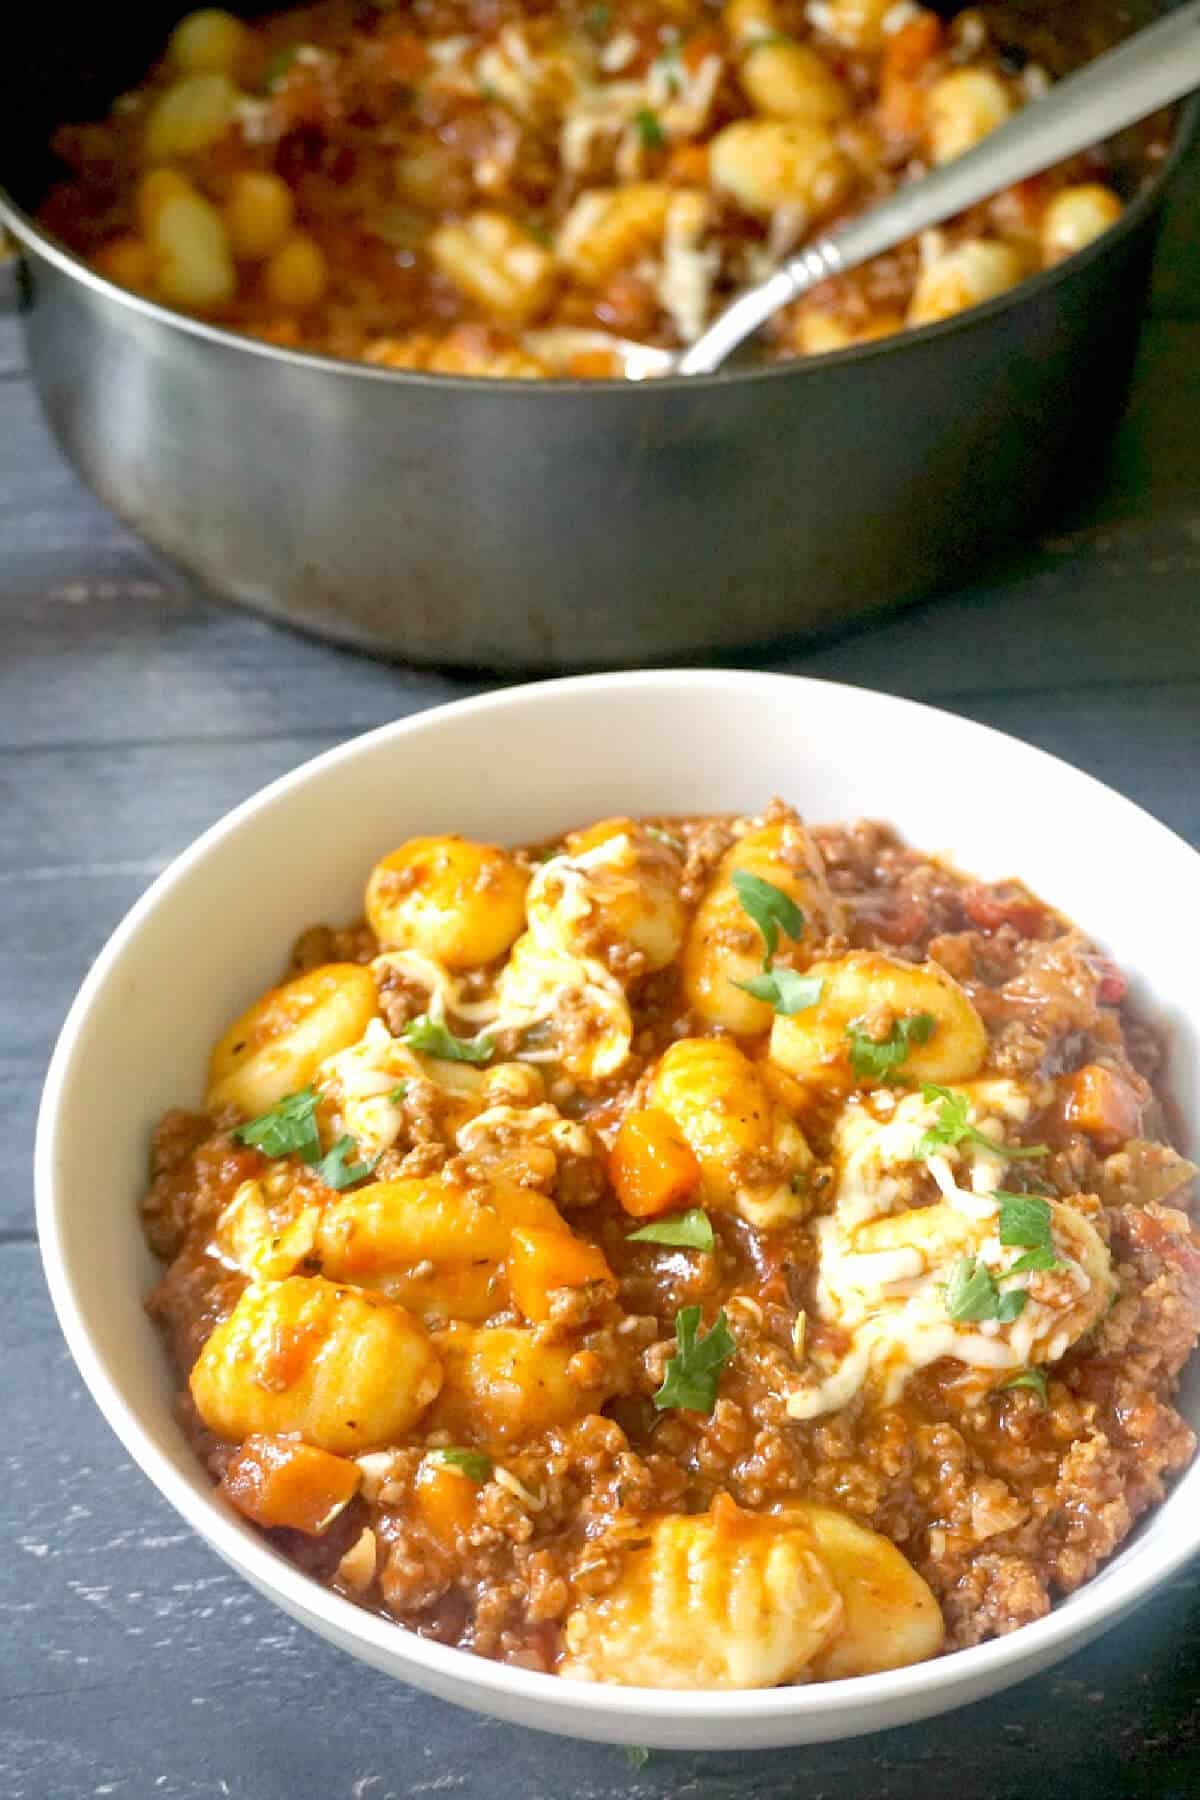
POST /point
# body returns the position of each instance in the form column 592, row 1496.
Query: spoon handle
column 1151, row 69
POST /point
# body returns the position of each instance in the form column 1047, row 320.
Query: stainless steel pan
column 515, row 524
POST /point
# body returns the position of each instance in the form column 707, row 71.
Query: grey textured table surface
column 132, row 714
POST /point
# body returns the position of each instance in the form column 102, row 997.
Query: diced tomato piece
column 404, row 55
column 1113, row 984
column 990, row 910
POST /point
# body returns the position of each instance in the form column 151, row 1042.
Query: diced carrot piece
column 404, row 56
column 652, row 1166
column 593, row 365
column 688, row 165
column 1098, row 1102
column 909, row 49
column 701, row 45
column 901, row 96
column 281, row 1481
column 540, row 1261
column 446, row 1499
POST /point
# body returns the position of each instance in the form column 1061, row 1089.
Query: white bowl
column 522, row 765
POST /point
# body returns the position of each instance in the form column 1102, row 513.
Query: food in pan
column 478, row 188
column 691, row 1253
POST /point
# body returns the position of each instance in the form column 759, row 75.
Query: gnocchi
column 722, row 1600
column 724, row 947
column 458, row 902
column 344, row 1370
column 274, row 1048
column 502, row 1384
column 870, row 999
column 749, row 1151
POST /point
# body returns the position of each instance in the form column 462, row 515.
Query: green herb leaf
column 953, row 1127
column 879, row 1061
column 289, row 1127
column 1034, row 1379
column 278, row 66
column 668, row 837
column 691, row 1376
column 649, row 129
column 476, row 1464
column 398, row 1092
column 1025, row 1220
column 336, row 1172
column 770, row 908
column 637, row 1755
column 783, row 989
column 972, row 1295
column 1041, row 1258
column 691, row 1230
column 598, row 20
column 431, row 1036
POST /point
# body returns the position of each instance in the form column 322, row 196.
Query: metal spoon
column 1148, row 71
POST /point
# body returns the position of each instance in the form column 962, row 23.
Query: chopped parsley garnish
column 1034, row 1379
column 431, row 1037
column 691, row 1230
column 953, row 1127
column 783, row 989
column 289, row 1127
column 475, row 1464
column 1025, row 1220
column 669, row 66
column 770, row 908
column 598, row 20
column 336, row 1172
column 398, row 1092
column 637, row 1755
column 878, row 1061
column 649, row 129
column 691, row 1376
column 278, row 66
column 773, row 911
column 972, row 1295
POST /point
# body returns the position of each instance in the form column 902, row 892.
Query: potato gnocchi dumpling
column 614, row 894
column 274, row 1048
column 723, row 1600
column 749, row 1151
column 347, row 1371
column 698, row 1252
column 459, row 902
column 869, row 1002
column 724, row 947
column 513, row 195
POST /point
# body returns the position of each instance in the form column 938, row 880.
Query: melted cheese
column 885, row 1258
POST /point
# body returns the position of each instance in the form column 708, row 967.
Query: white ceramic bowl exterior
column 521, row 765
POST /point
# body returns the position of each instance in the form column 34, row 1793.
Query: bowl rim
column 383, row 1641
column 1185, row 119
